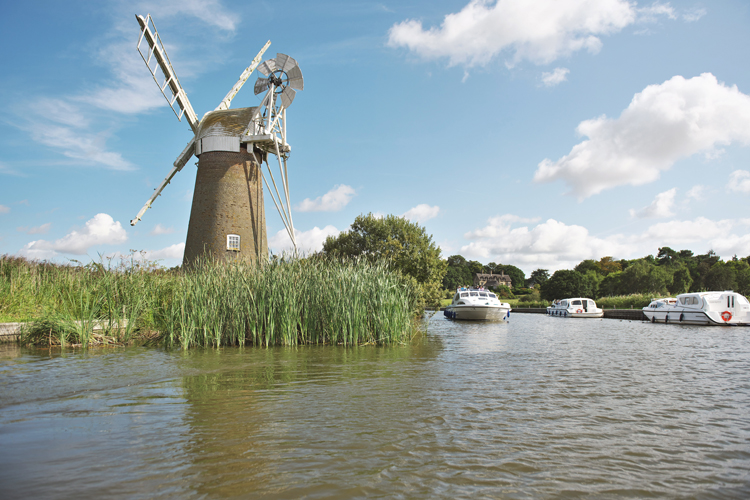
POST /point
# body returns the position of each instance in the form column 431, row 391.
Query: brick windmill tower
column 227, row 219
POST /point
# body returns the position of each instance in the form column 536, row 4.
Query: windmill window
column 233, row 242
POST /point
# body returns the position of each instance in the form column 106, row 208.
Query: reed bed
column 281, row 302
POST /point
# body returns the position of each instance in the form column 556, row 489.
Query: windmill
column 227, row 217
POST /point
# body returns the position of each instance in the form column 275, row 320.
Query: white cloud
column 550, row 245
column 555, row 245
column 159, row 229
column 421, row 213
column 100, row 230
column 334, row 200
column 72, row 124
column 43, row 229
column 693, row 15
column 307, row 241
column 696, row 193
column 175, row 251
column 89, row 147
column 688, row 231
column 557, row 76
column 4, row 209
column 662, row 124
column 660, row 207
column 541, row 31
column 739, row 181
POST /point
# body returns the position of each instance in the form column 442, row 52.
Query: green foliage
column 566, row 283
column 633, row 301
column 283, row 302
column 458, row 273
column 681, row 281
column 504, row 292
column 538, row 277
column 517, row 277
column 403, row 245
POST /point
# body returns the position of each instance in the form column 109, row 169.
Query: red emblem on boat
column 579, row 310
column 726, row 315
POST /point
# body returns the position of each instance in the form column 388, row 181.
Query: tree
column 457, row 274
column 566, row 283
column 721, row 276
column 517, row 277
column 609, row 265
column 667, row 257
column 681, row 281
column 588, row 265
column 538, row 277
column 404, row 244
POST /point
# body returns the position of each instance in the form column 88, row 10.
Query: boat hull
column 563, row 313
column 477, row 313
column 690, row 317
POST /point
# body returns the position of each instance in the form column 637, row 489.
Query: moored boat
column 701, row 308
column 477, row 304
column 578, row 307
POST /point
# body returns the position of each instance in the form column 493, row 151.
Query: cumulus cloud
column 307, row 241
column 100, row 230
column 421, row 213
column 688, row 231
column 556, row 245
column 43, row 229
column 551, row 244
column 557, row 76
column 333, row 201
column 541, row 31
column 660, row 207
column 662, row 124
column 175, row 251
column 159, row 229
column 739, row 181
column 4, row 209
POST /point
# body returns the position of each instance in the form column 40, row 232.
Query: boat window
column 492, row 295
column 461, row 302
column 473, row 294
column 465, row 294
column 576, row 302
column 685, row 300
column 564, row 303
column 592, row 303
column 482, row 294
column 455, row 298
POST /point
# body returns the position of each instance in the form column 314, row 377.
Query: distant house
column 492, row 280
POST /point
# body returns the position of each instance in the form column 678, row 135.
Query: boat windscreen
column 492, row 295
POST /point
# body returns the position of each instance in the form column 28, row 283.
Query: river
column 539, row 407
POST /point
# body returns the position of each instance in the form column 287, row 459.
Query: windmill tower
column 227, row 218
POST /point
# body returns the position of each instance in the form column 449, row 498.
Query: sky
column 536, row 133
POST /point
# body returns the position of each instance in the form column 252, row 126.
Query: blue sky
column 534, row 133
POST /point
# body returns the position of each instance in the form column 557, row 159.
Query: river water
column 539, row 407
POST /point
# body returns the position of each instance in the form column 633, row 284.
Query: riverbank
column 282, row 302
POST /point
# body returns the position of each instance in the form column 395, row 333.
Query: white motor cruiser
column 477, row 304
column 701, row 308
column 578, row 307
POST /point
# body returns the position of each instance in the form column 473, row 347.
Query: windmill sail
column 158, row 58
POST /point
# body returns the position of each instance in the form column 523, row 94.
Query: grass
column 282, row 302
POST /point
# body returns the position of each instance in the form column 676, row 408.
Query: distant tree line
column 669, row 273
column 410, row 249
